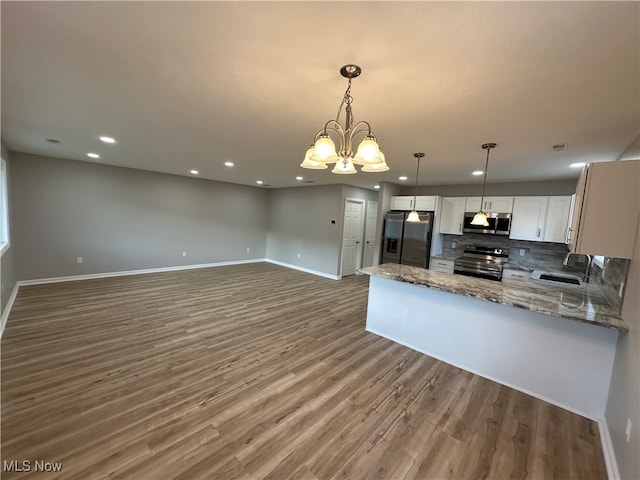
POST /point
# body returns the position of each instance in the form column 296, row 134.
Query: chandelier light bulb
column 368, row 152
column 324, row 150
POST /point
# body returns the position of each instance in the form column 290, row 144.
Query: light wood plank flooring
column 256, row 371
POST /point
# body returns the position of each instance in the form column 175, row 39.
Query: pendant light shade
column 308, row 163
column 376, row 167
column 480, row 218
column 344, row 167
column 413, row 215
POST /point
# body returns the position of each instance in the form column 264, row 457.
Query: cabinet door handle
column 460, row 228
column 490, row 205
column 538, row 234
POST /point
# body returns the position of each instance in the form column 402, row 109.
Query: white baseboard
column 7, row 308
column 607, row 449
column 302, row 269
column 89, row 276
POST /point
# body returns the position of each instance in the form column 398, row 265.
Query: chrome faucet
column 585, row 274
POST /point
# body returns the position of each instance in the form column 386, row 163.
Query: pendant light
column 480, row 218
column 413, row 215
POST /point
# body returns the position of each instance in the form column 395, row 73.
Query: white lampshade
column 310, row 164
column 344, row 167
column 376, row 167
column 480, row 219
column 368, row 152
column 324, row 150
column 413, row 217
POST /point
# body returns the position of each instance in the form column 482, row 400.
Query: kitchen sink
column 557, row 278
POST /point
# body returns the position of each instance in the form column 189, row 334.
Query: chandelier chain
column 346, row 99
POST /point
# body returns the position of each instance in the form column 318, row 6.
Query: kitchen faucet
column 585, row 274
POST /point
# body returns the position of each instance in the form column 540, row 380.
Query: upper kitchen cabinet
column 528, row 219
column 402, row 202
column 606, row 209
column 426, row 203
column 452, row 215
column 490, row 204
column 540, row 219
column 557, row 225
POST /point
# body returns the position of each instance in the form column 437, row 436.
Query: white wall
column 300, row 222
column 624, row 394
column 121, row 219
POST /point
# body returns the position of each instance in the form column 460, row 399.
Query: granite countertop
column 584, row 303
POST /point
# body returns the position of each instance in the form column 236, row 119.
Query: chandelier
column 323, row 151
column 480, row 218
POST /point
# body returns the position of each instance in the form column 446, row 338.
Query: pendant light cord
column 487, row 147
column 415, row 188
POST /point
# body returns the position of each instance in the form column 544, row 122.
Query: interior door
column 370, row 243
column 352, row 237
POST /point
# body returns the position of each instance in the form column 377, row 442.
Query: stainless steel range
column 480, row 261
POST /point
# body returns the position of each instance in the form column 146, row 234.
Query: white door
column 352, row 236
column 370, row 243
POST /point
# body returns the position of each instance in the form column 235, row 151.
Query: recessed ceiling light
column 376, row 186
column 93, row 155
column 108, row 139
column 259, row 182
column 299, row 177
column 577, row 165
column 477, row 172
column 194, row 172
column 228, row 164
column 403, row 178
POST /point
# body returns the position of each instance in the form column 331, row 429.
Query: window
column 4, row 209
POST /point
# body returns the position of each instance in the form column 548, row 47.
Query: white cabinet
column 512, row 275
column 426, row 203
column 452, row 215
column 556, row 226
column 541, row 219
column 402, row 202
column 528, row 219
column 606, row 209
column 405, row 202
column 441, row 265
column 490, row 204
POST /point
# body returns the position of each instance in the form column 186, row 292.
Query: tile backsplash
column 609, row 273
column 537, row 255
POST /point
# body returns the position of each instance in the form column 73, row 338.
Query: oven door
column 468, row 228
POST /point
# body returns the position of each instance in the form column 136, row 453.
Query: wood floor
column 256, row 371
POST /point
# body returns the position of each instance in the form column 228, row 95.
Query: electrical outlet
column 248, row 249
column 298, row 254
column 453, row 244
column 79, row 259
column 184, row 253
column 522, row 252
column 627, row 431
column 621, row 290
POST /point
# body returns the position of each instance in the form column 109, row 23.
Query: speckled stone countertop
column 582, row 303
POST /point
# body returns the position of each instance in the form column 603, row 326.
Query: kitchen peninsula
column 556, row 343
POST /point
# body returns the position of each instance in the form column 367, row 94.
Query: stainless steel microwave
column 499, row 224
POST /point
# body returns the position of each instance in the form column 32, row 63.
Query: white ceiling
column 185, row 85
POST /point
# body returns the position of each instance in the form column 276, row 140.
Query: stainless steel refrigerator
column 405, row 242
